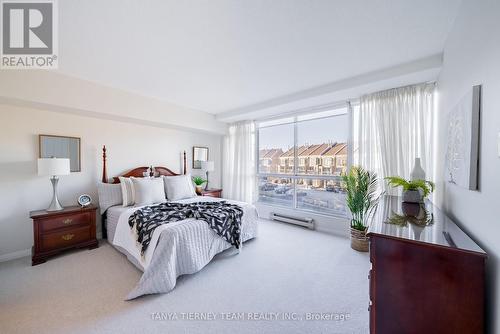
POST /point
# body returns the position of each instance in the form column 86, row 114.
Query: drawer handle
column 67, row 237
column 67, row 221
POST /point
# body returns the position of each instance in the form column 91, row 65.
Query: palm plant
column 426, row 186
column 361, row 196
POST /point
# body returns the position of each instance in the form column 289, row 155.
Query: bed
column 177, row 248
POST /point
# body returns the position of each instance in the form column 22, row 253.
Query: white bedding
column 176, row 248
column 112, row 216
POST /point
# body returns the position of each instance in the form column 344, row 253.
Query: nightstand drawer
column 212, row 194
column 65, row 238
column 62, row 221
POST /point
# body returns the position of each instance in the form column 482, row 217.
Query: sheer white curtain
column 394, row 127
column 238, row 177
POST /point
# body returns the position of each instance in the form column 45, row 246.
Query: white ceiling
column 223, row 56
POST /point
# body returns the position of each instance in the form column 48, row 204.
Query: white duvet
column 176, row 248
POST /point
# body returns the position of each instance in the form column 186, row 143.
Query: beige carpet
column 287, row 271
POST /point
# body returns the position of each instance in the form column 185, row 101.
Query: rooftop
column 324, row 149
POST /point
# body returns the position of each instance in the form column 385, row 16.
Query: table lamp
column 207, row 166
column 53, row 167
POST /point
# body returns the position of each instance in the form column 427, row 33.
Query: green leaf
column 426, row 186
column 198, row 180
column 361, row 195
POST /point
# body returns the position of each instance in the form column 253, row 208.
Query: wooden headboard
column 139, row 171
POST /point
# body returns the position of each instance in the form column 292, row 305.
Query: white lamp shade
column 208, row 166
column 53, row 166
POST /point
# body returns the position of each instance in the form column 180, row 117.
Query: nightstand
column 212, row 193
column 56, row 231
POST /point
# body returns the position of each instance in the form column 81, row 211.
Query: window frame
column 295, row 175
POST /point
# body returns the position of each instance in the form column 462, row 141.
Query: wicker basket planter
column 359, row 240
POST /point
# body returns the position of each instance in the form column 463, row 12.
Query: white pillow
column 179, row 187
column 128, row 193
column 109, row 195
column 148, row 190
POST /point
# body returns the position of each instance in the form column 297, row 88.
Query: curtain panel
column 394, row 127
column 239, row 178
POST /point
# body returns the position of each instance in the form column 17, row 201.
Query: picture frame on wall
column 52, row 146
column 462, row 151
column 200, row 154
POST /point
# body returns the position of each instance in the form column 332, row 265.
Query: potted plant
column 414, row 191
column 362, row 200
column 198, row 181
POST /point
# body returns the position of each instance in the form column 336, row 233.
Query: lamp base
column 206, row 184
column 54, row 205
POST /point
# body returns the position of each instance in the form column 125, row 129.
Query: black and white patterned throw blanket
column 222, row 217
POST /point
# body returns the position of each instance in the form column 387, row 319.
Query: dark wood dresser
column 427, row 275
column 56, row 231
column 212, row 193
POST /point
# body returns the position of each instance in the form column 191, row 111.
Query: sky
column 318, row 131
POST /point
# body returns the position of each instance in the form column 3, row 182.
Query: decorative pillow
column 148, row 190
column 109, row 195
column 179, row 187
column 128, row 193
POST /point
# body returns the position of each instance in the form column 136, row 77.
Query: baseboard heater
column 301, row 221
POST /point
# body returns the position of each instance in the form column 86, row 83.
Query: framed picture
column 200, row 154
column 51, row 146
column 462, row 152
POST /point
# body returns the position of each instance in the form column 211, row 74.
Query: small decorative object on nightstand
column 198, row 182
column 84, row 200
column 53, row 232
column 212, row 193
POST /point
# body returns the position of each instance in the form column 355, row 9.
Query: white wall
column 129, row 146
column 471, row 57
column 53, row 91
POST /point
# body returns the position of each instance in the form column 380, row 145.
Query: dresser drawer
column 57, row 222
column 65, row 238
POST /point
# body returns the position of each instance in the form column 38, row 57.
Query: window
column 301, row 160
column 276, row 149
column 276, row 190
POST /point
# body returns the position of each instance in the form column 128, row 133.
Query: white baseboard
column 15, row 255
